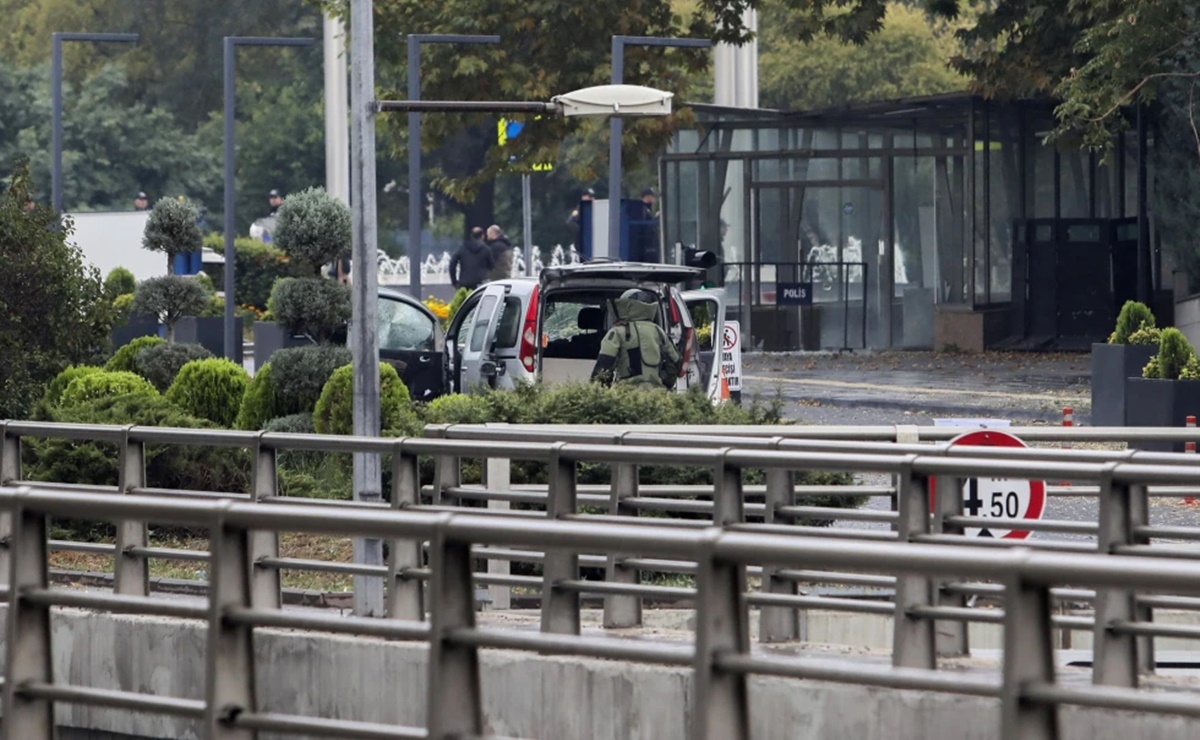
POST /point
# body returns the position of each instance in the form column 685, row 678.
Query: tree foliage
column 172, row 229
column 313, row 228
column 170, row 298
column 53, row 304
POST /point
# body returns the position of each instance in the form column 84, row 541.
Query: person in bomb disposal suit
column 636, row 350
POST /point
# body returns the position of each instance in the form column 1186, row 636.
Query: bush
column 313, row 228
column 125, row 358
column 161, row 363
column 1133, row 316
column 1145, row 335
column 119, row 282
column 257, row 266
column 1191, row 371
column 456, row 303
column 170, row 298
column 258, row 403
column 54, row 391
column 300, row 374
column 172, row 228
column 210, row 389
column 122, row 307
column 334, row 409
column 1174, row 353
column 312, row 306
column 104, row 384
column 460, row 409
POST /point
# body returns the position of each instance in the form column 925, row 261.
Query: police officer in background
column 636, row 351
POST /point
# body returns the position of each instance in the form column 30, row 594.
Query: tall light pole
column 231, row 44
column 337, row 110
column 364, row 279
column 415, row 40
column 616, row 127
column 56, row 70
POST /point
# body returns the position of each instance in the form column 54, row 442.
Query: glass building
column 934, row 222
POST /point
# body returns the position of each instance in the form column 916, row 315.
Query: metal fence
column 720, row 656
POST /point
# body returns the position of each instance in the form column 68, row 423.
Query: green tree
column 53, row 304
column 170, row 298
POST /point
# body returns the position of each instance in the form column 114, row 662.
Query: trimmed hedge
column 55, row 389
column 104, row 384
column 334, row 410
column 258, row 403
column 210, row 389
column 300, row 374
column 125, row 358
column 161, row 363
column 257, row 266
column 312, row 306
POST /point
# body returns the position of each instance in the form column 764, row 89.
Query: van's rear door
column 478, row 366
column 707, row 308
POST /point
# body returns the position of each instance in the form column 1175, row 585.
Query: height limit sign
column 731, row 355
column 998, row 498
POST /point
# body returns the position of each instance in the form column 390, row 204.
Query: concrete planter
column 270, row 337
column 139, row 325
column 1112, row 367
column 1161, row 403
column 209, row 332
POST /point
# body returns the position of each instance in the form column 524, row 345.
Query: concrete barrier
column 524, row 695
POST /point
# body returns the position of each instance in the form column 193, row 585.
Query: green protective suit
column 636, row 349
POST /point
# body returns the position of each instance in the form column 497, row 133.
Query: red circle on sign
column 729, row 338
column 992, row 438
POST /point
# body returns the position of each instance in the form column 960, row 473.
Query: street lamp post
column 616, row 126
column 231, row 44
column 415, row 40
column 56, row 133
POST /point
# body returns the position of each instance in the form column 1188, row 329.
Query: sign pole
column 527, row 221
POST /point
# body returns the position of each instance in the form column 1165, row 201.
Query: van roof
column 610, row 270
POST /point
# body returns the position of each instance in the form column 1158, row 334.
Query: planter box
column 1112, row 366
column 139, row 325
column 1161, row 403
column 270, row 337
column 209, row 332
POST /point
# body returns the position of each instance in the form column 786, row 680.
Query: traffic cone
column 724, row 387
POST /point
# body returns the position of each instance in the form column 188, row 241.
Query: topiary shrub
column 122, row 307
column 119, row 282
column 170, row 298
column 313, row 229
column 125, row 358
column 172, row 228
column 1145, row 335
column 210, row 389
column 1174, row 353
column 104, row 384
column 1191, row 371
column 160, row 363
column 257, row 266
column 54, row 390
column 318, row 308
column 334, row 410
column 300, row 374
column 1133, row 316
column 456, row 303
column 258, row 403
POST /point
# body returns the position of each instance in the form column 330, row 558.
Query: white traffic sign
column 999, row 498
column 731, row 355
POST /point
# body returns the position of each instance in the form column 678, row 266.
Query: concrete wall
column 525, row 695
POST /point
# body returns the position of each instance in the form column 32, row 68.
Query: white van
column 548, row 329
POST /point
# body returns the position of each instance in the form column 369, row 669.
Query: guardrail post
column 1139, row 516
column 620, row 610
column 266, row 588
column 10, row 470
column 1116, row 652
column 728, row 499
column 951, row 635
column 131, row 572
column 404, row 593
column 560, row 608
column 497, row 476
column 230, row 671
column 30, row 656
column 913, row 641
column 780, row 623
column 722, row 705
column 1028, row 659
column 454, row 693
column 447, row 471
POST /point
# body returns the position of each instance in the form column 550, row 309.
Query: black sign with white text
column 793, row 294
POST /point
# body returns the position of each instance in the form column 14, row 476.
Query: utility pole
column 364, row 277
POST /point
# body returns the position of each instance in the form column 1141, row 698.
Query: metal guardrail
column 1123, row 527
column 720, row 657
